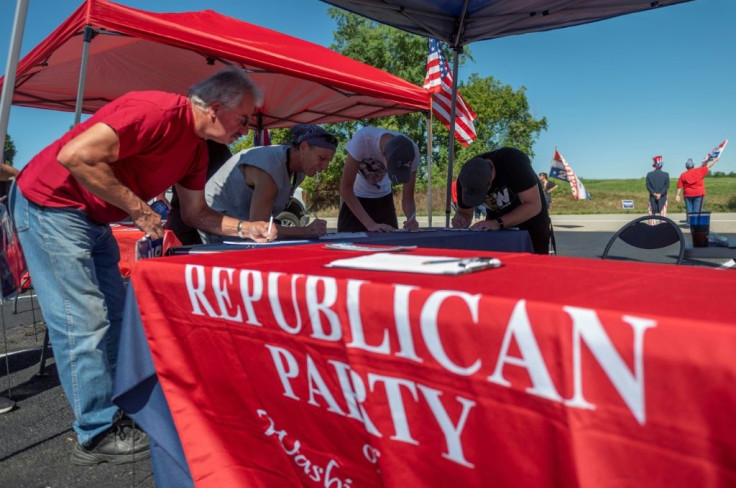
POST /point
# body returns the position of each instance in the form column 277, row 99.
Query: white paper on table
column 267, row 244
column 344, row 235
column 412, row 263
column 349, row 246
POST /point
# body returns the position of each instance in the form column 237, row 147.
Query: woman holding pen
column 257, row 183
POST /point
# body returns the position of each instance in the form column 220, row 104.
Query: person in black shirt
column 506, row 183
column 218, row 153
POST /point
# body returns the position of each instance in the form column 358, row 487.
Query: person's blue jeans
column 694, row 204
column 73, row 263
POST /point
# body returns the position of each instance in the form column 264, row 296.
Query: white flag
column 562, row 171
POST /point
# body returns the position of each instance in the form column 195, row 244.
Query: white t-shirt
column 365, row 147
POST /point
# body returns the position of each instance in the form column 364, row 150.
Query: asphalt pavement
column 36, row 437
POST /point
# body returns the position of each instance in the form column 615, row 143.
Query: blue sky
column 615, row 93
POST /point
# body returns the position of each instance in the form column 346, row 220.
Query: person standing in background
column 547, row 187
column 657, row 183
column 691, row 183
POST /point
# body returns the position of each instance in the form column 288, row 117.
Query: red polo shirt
column 159, row 146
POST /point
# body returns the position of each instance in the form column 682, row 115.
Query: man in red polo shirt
column 101, row 171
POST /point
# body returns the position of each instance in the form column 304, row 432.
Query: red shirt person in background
column 692, row 183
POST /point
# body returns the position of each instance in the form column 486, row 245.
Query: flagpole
column 451, row 145
column 6, row 100
column 429, row 166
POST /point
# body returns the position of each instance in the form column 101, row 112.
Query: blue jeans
column 694, row 204
column 73, row 263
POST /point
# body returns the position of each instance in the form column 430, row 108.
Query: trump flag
column 715, row 154
column 562, row 171
column 439, row 83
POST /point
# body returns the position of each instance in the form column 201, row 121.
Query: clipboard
column 413, row 263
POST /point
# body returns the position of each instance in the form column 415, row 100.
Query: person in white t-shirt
column 377, row 158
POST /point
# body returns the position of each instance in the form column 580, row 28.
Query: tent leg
column 21, row 10
column 451, row 145
column 89, row 34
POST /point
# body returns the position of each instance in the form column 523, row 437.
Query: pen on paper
column 270, row 223
column 443, row 261
column 464, row 262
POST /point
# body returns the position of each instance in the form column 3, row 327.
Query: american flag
column 262, row 137
column 439, row 82
column 715, row 154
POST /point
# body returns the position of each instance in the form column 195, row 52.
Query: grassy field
column 607, row 196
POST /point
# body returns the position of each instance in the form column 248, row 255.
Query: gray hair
column 227, row 86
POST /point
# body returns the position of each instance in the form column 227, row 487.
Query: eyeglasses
column 243, row 122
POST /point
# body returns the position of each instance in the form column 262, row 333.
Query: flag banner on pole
column 562, row 171
column 439, row 83
column 715, row 154
column 262, row 137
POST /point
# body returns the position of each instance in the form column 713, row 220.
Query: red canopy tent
column 132, row 49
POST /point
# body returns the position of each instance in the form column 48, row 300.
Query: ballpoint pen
column 464, row 262
column 270, row 223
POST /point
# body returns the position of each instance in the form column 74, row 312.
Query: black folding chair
column 14, row 281
column 650, row 232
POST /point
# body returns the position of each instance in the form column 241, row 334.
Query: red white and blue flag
column 439, row 83
column 715, row 154
column 562, row 171
column 262, row 137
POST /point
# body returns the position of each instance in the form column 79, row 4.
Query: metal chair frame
column 640, row 234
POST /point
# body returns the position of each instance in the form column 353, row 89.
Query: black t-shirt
column 514, row 174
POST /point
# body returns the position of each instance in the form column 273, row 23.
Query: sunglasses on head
column 329, row 138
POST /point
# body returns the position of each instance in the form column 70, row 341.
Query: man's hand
column 411, row 224
column 380, row 228
column 149, row 222
column 316, row 228
column 459, row 221
column 485, row 225
column 258, row 231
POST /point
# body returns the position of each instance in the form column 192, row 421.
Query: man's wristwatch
column 499, row 221
column 240, row 229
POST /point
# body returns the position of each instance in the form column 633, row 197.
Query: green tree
column 9, row 150
column 503, row 113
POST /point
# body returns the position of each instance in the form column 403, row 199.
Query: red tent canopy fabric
column 138, row 50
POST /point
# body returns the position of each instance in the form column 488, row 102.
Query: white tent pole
column 429, row 168
column 451, row 145
column 21, row 9
column 89, row 34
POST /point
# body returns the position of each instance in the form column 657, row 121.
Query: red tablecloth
column 127, row 237
column 549, row 371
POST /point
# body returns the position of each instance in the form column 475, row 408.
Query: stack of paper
column 412, row 263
